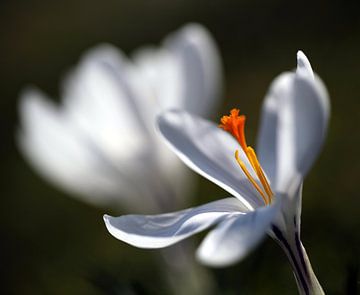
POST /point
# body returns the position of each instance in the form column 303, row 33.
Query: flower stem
column 305, row 277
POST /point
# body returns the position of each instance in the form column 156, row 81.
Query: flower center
column 235, row 125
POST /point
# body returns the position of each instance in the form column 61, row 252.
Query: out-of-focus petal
column 200, row 66
column 159, row 68
column 186, row 73
column 61, row 153
column 293, row 125
column 209, row 151
column 161, row 71
column 233, row 238
column 113, row 104
column 158, row 231
column 101, row 98
column 109, row 112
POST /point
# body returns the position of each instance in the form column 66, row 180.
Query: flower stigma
column 235, row 125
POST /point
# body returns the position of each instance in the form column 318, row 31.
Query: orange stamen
column 235, row 125
column 248, row 175
column 259, row 172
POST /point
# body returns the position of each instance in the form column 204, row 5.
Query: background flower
column 101, row 143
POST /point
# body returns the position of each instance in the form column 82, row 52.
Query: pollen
column 235, row 125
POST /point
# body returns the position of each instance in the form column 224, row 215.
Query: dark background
column 53, row 244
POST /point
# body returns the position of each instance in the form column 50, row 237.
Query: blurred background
column 51, row 243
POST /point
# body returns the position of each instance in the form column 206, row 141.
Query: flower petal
column 63, row 154
column 158, row 231
column 234, row 237
column 200, row 66
column 101, row 145
column 303, row 66
column 161, row 71
column 58, row 151
column 101, row 97
column 111, row 101
column 293, row 125
column 159, row 68
column 209, row 151
column 185, row 73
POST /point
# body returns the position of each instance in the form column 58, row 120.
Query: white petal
column 158, row 231
column 234, row 237
column 293, row 125
column 68, row 158
column 185, row 73
column 159, row 68
column 101, row 145
column 182, row 74
column 303, row 66
column 200, row 66
column 58, row 150
column 101, row 98
column 112, row 103
column 209, row 151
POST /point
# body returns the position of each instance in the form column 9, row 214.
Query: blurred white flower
column 100, row 144
column 267, row 198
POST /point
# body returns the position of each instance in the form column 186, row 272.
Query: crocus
column 266, row 187
column 100, row 143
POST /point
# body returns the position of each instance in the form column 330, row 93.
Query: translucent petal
column 185, row 73
column 232, row 240
column 293, row 125
column 209, row 151
column 200, row 66
column 101, row 98
column 158, row 231
column 61, row 153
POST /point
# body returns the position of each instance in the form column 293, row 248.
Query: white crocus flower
column 267, row 197
column 100, row 144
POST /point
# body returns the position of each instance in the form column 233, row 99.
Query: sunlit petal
column 293, row 126
column 200, row 66
column 159, row 68
column 60, row 153
column 232, row 240
column 304, row 68
column 100, row 98
column 209, row 151
column 186, row 72
column 157, row 231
